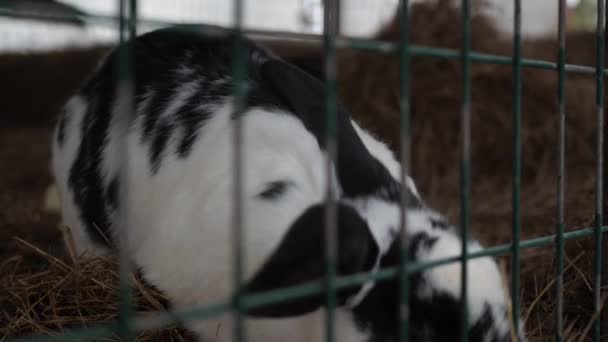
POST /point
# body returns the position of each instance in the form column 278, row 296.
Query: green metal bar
column 437, row 52
column 465, row 162
column 452, row 54
column 96, row 333
column 239, row 74
column 600, row 62
column 561, row 152
column 515, row 264
column 254, row 300
column 404, row 108
column 331, row 27
column 126, row 76
column 499, row 60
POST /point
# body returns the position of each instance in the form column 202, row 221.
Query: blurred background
column 359, row 18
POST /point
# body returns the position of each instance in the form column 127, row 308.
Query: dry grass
column 67, row 293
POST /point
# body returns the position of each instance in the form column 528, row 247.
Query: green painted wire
column 452, row 54
column 331, row 25
column 516, row 217
column 128, row 31
column 561, row 166
column 239, row 74
column 404, row 108
column 465, row 163
column 600, row 60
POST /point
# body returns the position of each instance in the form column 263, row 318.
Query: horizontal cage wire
column 129, row 324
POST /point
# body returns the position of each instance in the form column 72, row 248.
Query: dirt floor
column 369, row 88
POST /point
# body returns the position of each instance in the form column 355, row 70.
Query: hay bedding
column 43, row 291
column 69, row 294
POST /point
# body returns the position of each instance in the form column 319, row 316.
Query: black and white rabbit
column 162, row 179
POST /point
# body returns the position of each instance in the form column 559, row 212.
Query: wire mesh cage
column 129, row 324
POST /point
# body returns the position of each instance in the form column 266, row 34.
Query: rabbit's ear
column 300, row 258
column 303, row 94
column 306, row 97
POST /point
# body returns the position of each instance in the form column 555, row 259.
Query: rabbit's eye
column 274, row 190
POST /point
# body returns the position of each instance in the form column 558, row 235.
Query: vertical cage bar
column 604, row 186
column 600, row 53
column 561, row 152
column 465, row 162
column 126, row 93
column 331, row 26
column 238, row 219
column 404, row 107
column 516, row 219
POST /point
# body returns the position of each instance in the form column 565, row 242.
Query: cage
column 396, row 55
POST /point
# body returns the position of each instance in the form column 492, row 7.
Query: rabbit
column 161, row 179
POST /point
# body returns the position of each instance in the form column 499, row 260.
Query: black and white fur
column 162, row 179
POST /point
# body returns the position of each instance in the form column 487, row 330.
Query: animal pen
column 127, row 325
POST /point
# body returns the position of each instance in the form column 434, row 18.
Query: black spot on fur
column 191, row 117
column 420, row 241
column 112, row 193
column 156, row 106
column 85, row 174
column 439, row 224
column 299, row 258
column 274, row 190
column 161, row 136
column 484, row 327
